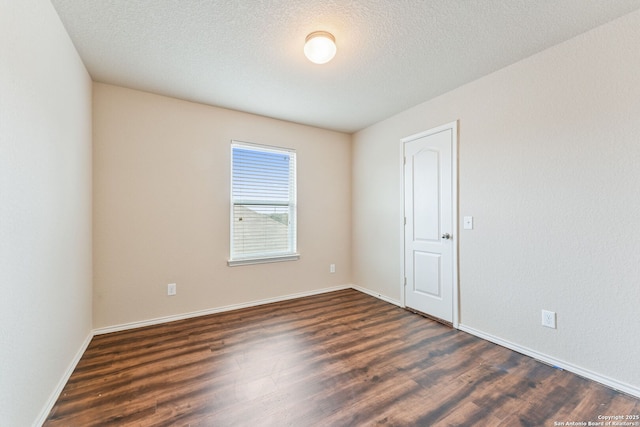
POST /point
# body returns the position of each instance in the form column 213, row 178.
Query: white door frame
column 454, row 201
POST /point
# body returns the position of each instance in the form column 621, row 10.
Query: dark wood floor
column 337, row 359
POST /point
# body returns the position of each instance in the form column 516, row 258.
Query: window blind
column 263, row 193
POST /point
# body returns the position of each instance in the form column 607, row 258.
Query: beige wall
column 45, row 208
column 161, row 207
column 549, row 155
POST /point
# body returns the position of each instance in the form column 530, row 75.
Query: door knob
column 446, row 236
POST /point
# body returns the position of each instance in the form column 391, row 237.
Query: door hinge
column 405, row 220
column 405, row 281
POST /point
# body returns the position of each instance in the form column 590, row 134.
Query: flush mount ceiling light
column 320, row 47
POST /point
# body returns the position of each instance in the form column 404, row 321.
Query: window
column 263, row 204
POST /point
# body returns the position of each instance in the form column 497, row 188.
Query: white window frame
column 291, row 254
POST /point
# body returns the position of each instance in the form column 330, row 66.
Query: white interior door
column 430, row 219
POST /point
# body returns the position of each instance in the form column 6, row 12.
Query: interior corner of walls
column 377, row 295
column 63, row 381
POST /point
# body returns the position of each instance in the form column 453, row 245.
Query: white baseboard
column 602, row 379
column 377, row 295
column 63, row 381
column 166, row 319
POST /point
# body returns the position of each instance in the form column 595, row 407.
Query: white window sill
column 262, row 260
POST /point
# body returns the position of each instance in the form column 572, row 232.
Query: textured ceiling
column 247, row 54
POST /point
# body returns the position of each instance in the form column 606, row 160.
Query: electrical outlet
column 332, row 268
column 549, row 319
column 171, row 289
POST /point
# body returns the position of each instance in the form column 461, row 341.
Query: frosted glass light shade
column 320, row 47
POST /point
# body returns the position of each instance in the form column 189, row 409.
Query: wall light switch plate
column 467, row 223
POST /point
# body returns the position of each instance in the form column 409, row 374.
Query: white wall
column 549, row 166
column 161, row 207
column 45, row 207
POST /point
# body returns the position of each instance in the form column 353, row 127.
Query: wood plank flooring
column 337, row 359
